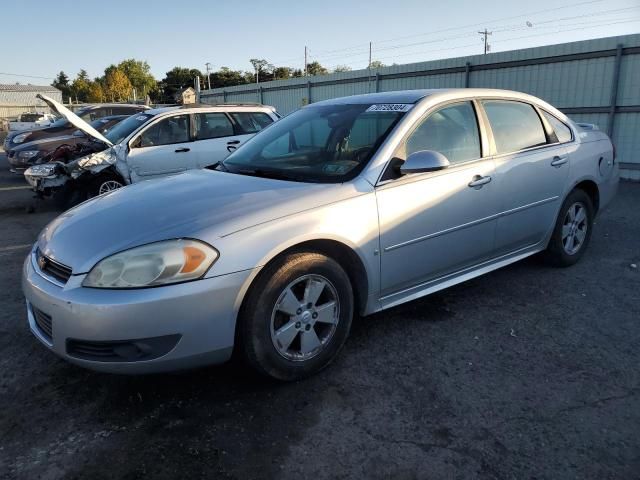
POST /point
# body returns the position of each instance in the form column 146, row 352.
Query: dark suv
column 62, row 127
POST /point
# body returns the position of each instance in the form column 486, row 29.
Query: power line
column 511, row 38
column 455, row 37
column 26, row 76
column 471, row 25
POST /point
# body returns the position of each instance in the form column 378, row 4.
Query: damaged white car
column 146, row 145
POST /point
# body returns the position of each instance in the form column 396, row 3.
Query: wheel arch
column 590, row 187
column 339, row 251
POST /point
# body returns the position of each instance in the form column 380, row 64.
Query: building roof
column 8, row 87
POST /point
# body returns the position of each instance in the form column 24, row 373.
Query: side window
column 251, row 122
column 124, row 110
column 515, row 125
column 167, row 131
column 452, row 131
column 212, row 125
column 562, row 131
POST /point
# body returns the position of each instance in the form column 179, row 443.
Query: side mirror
column 424, row 161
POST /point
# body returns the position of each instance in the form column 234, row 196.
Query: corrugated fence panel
column 576, row 76
column 629, row 86
column 626, row 137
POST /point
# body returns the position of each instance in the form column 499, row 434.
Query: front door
column 164, row 148
column 436, row 223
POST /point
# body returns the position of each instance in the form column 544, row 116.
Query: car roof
column 125, row 105
column 414, row 96
column 214, row 107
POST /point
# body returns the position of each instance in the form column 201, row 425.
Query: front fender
column 352, row 222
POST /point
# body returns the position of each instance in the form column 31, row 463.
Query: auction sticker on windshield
column 390, row 107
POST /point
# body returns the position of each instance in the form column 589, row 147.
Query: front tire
column 296, row 316
column 104, row 183
column 572, row 230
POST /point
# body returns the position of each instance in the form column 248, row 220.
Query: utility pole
column 305, row 60
column 485, row 38
column 208, row 65
column 370, row 55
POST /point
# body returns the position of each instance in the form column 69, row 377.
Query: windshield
column 325, row 144
column 126, row 127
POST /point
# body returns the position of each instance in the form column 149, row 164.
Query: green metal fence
column 595, row 81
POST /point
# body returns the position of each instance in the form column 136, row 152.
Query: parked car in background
column 63, row 127
column 348, row 205
column 29, row 121
column 40, row 151
column 152, row 144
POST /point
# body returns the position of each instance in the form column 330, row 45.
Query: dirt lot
column 529, row 372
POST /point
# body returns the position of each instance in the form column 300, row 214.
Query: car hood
column 74, row 119
column 201, row 204
column 44, row 143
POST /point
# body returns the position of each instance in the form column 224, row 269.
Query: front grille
column 43, row 322
column 51, row 268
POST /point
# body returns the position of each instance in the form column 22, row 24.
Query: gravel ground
column 528, row 372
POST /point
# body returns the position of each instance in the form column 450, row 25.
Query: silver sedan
column 347, row 206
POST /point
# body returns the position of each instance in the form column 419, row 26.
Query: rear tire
column 572, row 230
column 296, row 317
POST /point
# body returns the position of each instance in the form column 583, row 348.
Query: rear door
column 532, row 169
column 163, row 148
column 213, row 132
column 217, row 134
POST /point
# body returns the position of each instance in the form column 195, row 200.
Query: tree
column 139, row 74
column 95, row 94
column 282, row 73
column 117, row 86
column 61, row 82
column 314, row 68
column 176, row 79
column 225, row 77
column 342, row 68
column 80, row 86
column 376, row 64
column 262, row 69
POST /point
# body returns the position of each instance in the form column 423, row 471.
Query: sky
column 43, row 37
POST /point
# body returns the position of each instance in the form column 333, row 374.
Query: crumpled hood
column 73, row 119
column 201, row 204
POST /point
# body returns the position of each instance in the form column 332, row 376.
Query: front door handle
column 181, row 150
column 558, row 161
column 233, row 142
column 478, row 181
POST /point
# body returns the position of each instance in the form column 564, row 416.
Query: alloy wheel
column 574, row 228
column 109, row 186
column 305, row 317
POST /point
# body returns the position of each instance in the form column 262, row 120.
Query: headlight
column 43, row 170
column 161, row 263
column 27, row 154
column 21, row 137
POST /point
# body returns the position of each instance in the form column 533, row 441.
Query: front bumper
column 202, row 314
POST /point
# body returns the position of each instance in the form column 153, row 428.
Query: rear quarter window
column 562, row 131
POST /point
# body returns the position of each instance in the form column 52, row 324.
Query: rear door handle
column 558, row 161
column 233, row 142
column 181, row 150
column 478, row 181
